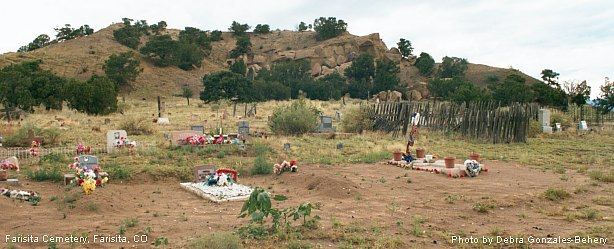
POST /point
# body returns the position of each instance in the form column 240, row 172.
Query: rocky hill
column 82, row 57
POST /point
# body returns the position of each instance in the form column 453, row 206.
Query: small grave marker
column 340, row 146
column 326, row 124
column 198, row 128
column 286, row 147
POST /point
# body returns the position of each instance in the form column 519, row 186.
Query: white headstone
column 163, row 121
column 544, row 120
column 583, row 126
column 113, row 138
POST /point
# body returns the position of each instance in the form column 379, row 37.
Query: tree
column 425, row 64
column 97, row 96
column 122, row 68
column 39, row 42
column 195, row 36
column 550, row 77
column 362, row 67
column 331, row 86
column 262, row 29
column 578, row 92
column 293, row 74
column 512, row 89
column 239, row 67
column 26, row 85
column 157, row 28
column 187, row 93
column 161, row 50
column 243, row 46
column 303, row 27
column 188, row 56
column 405, row 47
column 548, row 95
column 453, row 67
column 128, row 35
column 238, row 29
column 605, row 102
column 360, row 75
column 385, row 76
column 327, row 28
column 68, row 33
column 226, row 85
column 468, row 92
column 270, row 90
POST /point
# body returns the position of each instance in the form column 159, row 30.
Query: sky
column 572, row 37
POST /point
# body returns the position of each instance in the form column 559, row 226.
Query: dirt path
column 375, row 195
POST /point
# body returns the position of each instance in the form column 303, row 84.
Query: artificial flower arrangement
column 88, row 174
column 34, row 148
column 125, row 142
column 82, row 149
column 11, row 163
column 222, row 177
column 291, row 166
column 24, row 195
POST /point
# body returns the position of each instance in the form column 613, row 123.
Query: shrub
column 556, row 194
column 220, row 240
column 261, row 166
column 137, row 126
column 482, row 207
column 356, row 120
column 296, row 119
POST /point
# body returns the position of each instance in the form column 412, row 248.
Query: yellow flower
column 89, row 186
column 105, row 180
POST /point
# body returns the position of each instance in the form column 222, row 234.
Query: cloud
column 571, row 37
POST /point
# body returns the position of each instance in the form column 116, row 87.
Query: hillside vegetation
column 84, row 56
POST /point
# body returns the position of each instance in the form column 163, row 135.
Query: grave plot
column 217, row 185
column 470, row 168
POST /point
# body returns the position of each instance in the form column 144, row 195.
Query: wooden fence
column 591, row 115
column 481, row 120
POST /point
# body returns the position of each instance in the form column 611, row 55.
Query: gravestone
column 198, row 128
column 286, row 147
column 88, row 162
column 201, row 172
column 243, row 128
column 163, row 121
column 326, row 124
column 178, row 136
column 583, row 126
column 340, row 146
column 113, row 139
column 544, row 120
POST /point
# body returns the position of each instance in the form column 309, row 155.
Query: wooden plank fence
column 480, row 120
column 24, row 153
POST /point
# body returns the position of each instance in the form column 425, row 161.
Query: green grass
column 219, row 240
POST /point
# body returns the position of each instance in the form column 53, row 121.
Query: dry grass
column 555, row 152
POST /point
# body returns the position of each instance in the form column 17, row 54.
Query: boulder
column 327, row 70
column 414, row 95
column 316, row 69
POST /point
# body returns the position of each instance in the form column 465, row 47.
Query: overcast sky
column 572, row 37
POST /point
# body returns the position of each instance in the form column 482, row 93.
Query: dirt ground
column 375, row 195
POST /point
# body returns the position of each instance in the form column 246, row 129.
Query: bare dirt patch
column 370, row 196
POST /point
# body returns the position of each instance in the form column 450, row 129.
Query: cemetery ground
column 554, row 185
